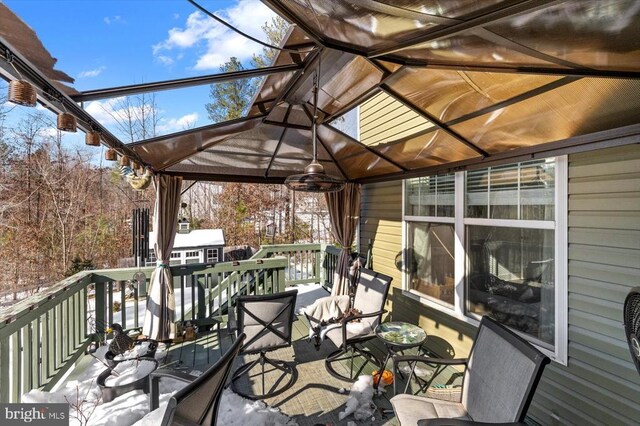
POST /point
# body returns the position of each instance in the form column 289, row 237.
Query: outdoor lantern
column 92, row 138
column 314, row 179
column 22, row 92
column 110, row 155
column 67, row 122
column 124, row 161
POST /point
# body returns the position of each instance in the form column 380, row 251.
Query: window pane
column 430, row 260
column 477, row 194
column 510, row 277
column 537, row 191
column 430, row 196
column 522, row 191
column 503, row 192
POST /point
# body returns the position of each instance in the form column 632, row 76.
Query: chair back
column 502, row 374
column 267, row 320
column 371, row 293
column 198, row 402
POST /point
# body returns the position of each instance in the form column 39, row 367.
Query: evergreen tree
column 230, row 100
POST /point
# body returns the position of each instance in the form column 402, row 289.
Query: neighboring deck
column 315, row 397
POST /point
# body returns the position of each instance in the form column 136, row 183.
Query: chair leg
column 351, row 351
column 276, row 389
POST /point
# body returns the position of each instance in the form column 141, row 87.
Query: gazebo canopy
column 490, row 81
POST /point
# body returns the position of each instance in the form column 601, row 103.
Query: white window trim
column 460, row 222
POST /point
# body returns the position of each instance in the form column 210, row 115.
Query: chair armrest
column 429, row 360
column 154, row 384
column 460, row 422
column 397, row 359
column 351, row 318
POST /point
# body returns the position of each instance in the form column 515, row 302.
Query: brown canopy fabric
column 485, row 82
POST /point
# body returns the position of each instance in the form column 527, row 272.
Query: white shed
column 193, row 246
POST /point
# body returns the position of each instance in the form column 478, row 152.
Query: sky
column 111, row 43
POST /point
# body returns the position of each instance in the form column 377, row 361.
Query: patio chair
column 198, row 402
column 370, row 296
column 267, row 321
column 500, row 378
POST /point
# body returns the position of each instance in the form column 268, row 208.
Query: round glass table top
column 400, row 333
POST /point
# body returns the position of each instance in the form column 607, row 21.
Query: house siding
column 599, row 385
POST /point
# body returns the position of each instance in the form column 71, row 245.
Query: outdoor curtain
column 161, row 303
column 344, row 213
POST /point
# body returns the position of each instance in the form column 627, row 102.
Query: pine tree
column 231, row 100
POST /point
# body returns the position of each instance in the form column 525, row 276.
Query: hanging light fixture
column 110, row 155
column 67, row 122
column 22, row 92
column 92, row 138
column 314, row 179
column 124, row 161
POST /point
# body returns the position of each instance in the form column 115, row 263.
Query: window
column 175, row 258
column 192, row 257
column 430, row 260
column 212, row 255
column 430, row 204
column 492, row 242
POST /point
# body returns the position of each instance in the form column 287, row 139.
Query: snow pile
column 138, row 350
column 234, row 411
column 87, row 408
column 130, row 371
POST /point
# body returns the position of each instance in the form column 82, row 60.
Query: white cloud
column 114, row 20
column 177, row 124
column 49, row 132
column 106, row 112
column 92, row 73
column 164, row 60
column 221, row 43
column 110, row 111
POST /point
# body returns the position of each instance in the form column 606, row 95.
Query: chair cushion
column 354, row 329
column 410, row 408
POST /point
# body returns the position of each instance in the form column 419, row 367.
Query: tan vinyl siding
column 381, row 222
column 600, row 385
column 384, row 119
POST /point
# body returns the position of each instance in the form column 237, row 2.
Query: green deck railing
column 42, row 336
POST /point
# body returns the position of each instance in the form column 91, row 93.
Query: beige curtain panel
column 344, row 213
column 161, row 303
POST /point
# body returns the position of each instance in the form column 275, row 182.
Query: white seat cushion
column 410, row 408
column 354, row 329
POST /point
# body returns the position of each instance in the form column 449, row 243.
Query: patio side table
column 397, row 336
